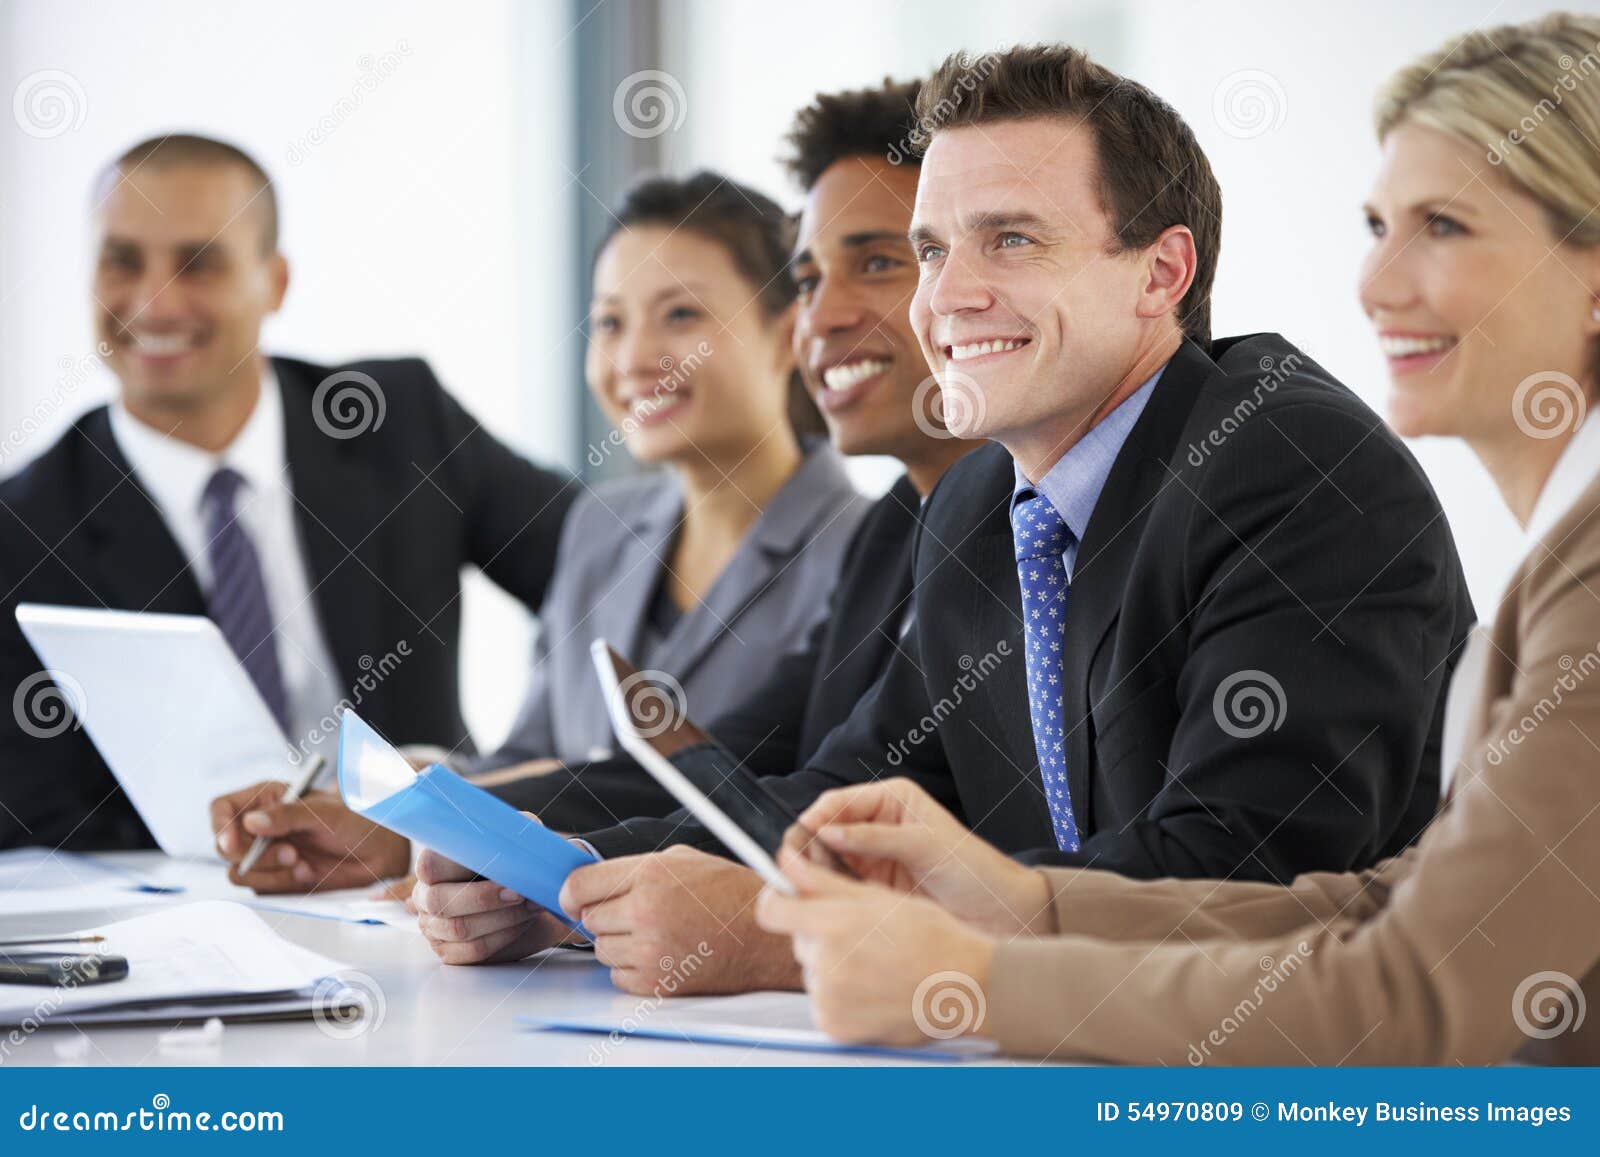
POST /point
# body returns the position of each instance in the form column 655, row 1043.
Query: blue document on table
column 764, row 1020
column 438, row 809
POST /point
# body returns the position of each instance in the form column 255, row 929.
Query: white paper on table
column 211, row 949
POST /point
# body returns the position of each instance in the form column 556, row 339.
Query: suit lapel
column 139, row 564
column 866, row 629
column 742, row 581
column 339, row 516
column 1110, row 541
column 997, row 618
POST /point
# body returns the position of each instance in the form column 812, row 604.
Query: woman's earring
column 1595, row 312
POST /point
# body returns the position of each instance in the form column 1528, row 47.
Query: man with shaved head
column 320, row 515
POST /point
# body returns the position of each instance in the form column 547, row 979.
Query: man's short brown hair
column 1153, row 174
column 174, row 149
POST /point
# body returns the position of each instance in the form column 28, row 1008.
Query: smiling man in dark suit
column 320, row 515
column 1213, row 601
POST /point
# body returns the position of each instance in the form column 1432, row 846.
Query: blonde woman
column 1481, row 941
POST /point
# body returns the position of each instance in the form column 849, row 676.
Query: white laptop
column 169, row 707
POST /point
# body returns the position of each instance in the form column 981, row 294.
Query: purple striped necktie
column 238, row 602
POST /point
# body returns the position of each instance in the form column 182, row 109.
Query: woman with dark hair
column 704, row 570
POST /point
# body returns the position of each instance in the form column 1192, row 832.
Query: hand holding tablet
column 727, row 797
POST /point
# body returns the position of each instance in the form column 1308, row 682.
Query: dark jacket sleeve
column 512, row 509
column 1322, row 586
column 587, row 796
column 852, row 753
column 54, row 789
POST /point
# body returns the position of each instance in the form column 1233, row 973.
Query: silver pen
column 298, row 788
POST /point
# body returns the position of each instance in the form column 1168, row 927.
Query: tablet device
column 702, row 775
column 166, row 703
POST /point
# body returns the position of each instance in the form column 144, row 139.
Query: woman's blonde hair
column 1529, row 96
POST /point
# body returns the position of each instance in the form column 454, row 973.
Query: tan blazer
column 1468, row 948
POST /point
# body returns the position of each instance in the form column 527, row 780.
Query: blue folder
column 440, row 810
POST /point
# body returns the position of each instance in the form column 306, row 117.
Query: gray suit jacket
column 609, row 564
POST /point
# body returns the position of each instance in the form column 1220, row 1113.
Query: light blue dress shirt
column 1074, row 483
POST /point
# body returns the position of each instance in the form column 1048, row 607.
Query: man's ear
column 279, row 273
column 1170, row 264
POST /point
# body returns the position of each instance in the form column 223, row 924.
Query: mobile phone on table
column 58, row 970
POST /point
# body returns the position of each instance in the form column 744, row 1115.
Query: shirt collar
column 1074, row 483
column 175, row 473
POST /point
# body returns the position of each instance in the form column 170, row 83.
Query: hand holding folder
column 438, row 809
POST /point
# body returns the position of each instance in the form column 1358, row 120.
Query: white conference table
column 428, row 1013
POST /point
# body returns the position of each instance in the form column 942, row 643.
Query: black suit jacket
column 1265, row 610
column 788, row 714
column 386, row 519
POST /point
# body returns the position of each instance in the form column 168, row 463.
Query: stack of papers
column 212, row 958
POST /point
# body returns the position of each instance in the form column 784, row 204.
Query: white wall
column 408, row 219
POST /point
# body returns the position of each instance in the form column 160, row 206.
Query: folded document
column 438, row 809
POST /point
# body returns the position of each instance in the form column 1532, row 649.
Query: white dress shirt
column 175, row 473
column 1573, row 472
